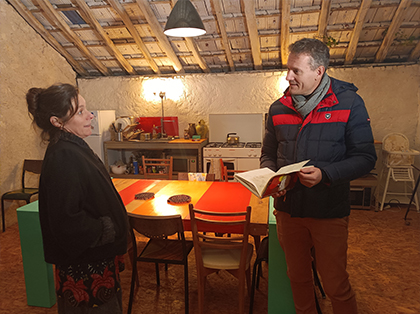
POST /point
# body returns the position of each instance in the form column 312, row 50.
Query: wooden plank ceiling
column 125, row 37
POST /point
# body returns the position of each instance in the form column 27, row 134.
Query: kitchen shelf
column 114, row 151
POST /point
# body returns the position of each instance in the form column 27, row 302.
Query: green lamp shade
column 184, row 21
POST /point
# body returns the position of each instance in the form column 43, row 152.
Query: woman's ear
column 56, row 122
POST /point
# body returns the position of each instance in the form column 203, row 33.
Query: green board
column 280, row 298
column 39, row 275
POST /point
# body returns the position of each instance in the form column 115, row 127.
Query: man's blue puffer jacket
column 337, row 138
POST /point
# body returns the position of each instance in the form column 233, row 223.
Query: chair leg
column 385, row 189
column 157, row 274
column 133, row 279
column 2, row 215
column 186, row 290
column 201, row 280
column 251, row 298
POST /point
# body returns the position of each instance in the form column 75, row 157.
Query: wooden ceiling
column 125, row 37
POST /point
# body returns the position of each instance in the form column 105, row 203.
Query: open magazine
column 265, row 182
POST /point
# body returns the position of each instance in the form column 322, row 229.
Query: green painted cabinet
column 39, row 275
column 280, row 298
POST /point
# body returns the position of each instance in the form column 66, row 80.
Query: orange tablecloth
column 221, row 196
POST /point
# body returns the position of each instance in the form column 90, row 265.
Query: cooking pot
column 232, row 139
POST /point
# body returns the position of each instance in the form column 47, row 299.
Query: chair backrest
column 227, row 174
column 158, row 167
column 157, row 227
column 204, row 223
column 396, row 150
column 31, row 165
column 188, row 176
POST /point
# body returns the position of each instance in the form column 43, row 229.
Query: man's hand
column 310, row 176
column 279, row 194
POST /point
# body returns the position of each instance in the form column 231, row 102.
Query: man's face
column 302, row 79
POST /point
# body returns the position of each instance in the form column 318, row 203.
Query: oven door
column 213, row 165
column 248, row 163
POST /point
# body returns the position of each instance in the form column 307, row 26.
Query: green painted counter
column 280, row 298
column 39, row 275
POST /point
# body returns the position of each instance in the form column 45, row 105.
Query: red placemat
column 127, row 194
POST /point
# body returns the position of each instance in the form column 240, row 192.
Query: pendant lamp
column 184, row 21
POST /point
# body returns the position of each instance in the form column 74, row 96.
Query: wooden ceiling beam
column 48, row 9
column 190, row 42
column 392, row 30
column 251, row 21
column 38, row 27
column 323, row 18
column 357, row 30
column 90, row 19
column 158, row 31
column 285, row 30
column 415, row 53
column 222, row 27
column 196, row 54
column 116, row 5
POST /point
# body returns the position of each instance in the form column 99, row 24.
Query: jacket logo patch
column 327, row 116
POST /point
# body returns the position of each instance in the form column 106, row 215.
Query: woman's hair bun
column 32, row 97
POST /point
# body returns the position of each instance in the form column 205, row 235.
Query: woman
column 83, row 220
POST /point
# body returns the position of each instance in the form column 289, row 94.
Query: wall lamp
column 184, row 21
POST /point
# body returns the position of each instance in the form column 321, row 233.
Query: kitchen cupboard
column 182, row 150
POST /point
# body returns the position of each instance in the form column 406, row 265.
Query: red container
column 170, row 125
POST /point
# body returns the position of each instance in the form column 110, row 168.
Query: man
column 324, row 120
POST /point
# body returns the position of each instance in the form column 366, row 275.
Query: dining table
column 205, row 195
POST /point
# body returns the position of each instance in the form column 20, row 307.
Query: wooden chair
column 160, row 248
column 158, row 168
column 25, row 193
column 185, row 177
column 227, row 174
column 213, row 253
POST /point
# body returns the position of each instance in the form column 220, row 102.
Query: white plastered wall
column 26, row 61
column 391, row 94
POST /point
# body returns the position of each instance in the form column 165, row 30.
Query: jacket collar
column 329, row 100
column 70, row 137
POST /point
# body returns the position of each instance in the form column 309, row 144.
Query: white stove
column 244, row 155
column 240, row 150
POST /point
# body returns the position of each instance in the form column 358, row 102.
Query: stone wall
column 391, row 94
column 26, row 61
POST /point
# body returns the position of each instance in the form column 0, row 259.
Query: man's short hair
column 316, row 49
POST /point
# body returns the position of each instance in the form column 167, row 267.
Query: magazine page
column 257, row 178
column 265, row 182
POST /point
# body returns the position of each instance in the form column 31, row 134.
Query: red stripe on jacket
column 287, row 119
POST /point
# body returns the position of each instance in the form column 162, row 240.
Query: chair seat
column 170, row 250
column 21, row 194
column 224, row 259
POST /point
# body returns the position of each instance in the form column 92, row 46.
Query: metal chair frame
column 25, row 193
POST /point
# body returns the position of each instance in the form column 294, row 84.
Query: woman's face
column 80, row 123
